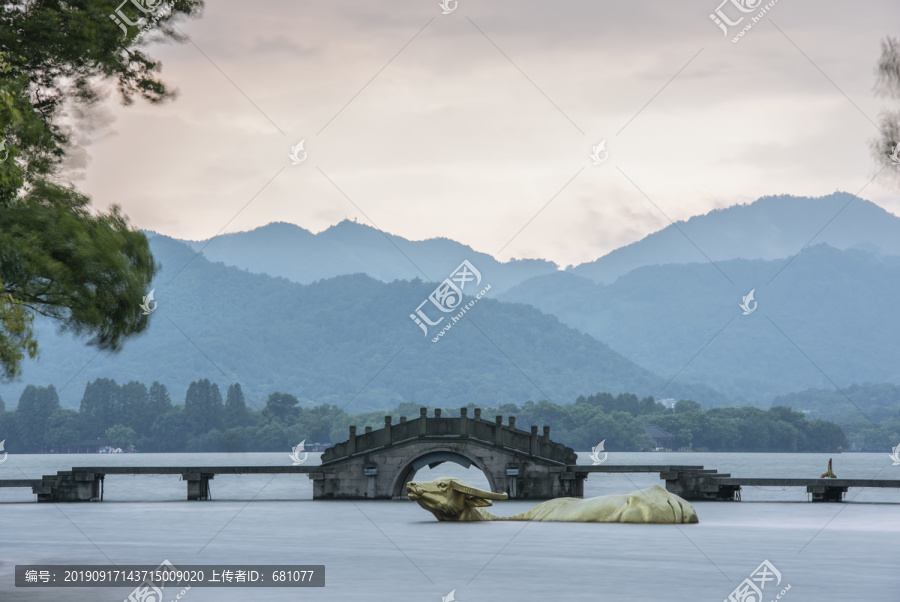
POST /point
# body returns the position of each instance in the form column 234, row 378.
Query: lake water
column 396, row 551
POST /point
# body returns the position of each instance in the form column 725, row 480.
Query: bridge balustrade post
column 351, row 441
column 463, row 422
column 477, row 413
column 423, row 424
column 534, row 440
column 387, row 430
column 498, row 431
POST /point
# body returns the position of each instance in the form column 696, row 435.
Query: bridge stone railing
column 452, row 428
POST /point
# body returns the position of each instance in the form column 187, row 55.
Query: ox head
column 448, row 498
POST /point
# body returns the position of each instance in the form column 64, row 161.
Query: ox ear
column 477, row 502
column 477, row 497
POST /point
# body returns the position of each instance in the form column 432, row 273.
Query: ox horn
column 488, row 495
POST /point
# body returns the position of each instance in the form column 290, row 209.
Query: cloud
column 462, row 125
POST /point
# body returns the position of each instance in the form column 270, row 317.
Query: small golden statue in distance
column 828, row 474
column 450, row 499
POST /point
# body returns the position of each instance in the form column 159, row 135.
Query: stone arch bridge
column 377, row 464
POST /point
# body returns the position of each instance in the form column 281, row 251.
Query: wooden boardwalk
column 693, row 482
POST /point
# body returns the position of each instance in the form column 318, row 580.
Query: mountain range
column 347, row 340
column 772, row 227
column 824, row 320
column 326, row 316
column 281, row 249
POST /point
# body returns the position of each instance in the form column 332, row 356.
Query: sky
column 478, row 125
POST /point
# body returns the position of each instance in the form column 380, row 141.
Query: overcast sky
column 466, row 125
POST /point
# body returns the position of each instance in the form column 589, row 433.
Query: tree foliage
column 887, row 84
column 126, row 415
column 87, row 270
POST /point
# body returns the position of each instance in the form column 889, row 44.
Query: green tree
column 203, row 407
column 235, row 409
column 282, row 406
column 87, row 270
column 169, row 432
column 121, row 436
column 36, row 404
column 9, row 431
column 100, row 406
column 687, row 405
column 63, row 427
column 159, row 399
column 136, row 409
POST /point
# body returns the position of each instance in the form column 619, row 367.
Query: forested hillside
column 347, row 341
column 132, row 414
column 826, row 319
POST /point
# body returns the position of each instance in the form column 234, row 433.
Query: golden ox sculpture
column 450, row 499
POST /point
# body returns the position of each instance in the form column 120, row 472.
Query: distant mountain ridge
column 289, row 251
column 829, row 318
column 347, row 340
column 772, row 227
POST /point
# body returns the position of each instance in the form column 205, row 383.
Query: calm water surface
column 395, row 551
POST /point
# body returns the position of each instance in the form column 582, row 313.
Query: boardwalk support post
column 197, row 485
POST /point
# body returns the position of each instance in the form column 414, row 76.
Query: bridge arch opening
column 429, row 465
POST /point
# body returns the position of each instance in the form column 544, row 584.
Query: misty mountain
column 281, row 249
column 828, row 317
column 770, row 228
column 347, row 340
